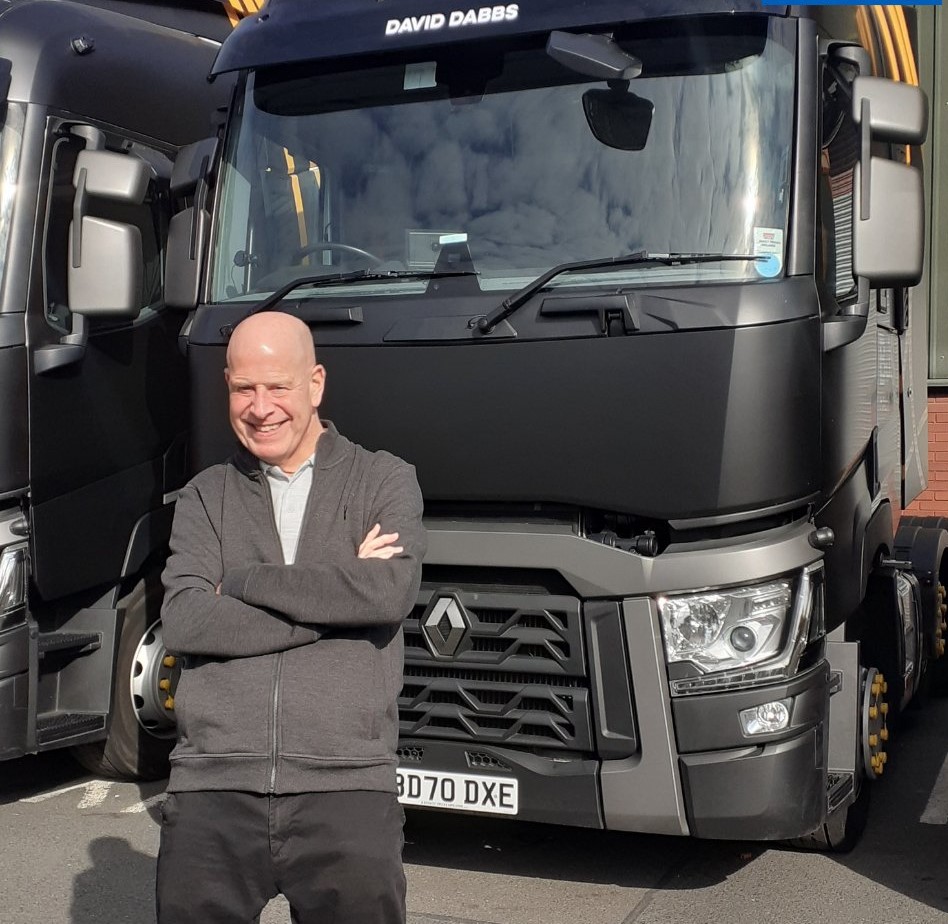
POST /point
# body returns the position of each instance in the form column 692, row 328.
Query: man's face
column 274, row 394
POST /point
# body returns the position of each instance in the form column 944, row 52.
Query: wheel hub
column 875, row 733
column 941, row 609
column 154, row 678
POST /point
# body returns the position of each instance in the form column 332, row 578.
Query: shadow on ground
column 894, row 831
column 571, row 854
column 119, row 887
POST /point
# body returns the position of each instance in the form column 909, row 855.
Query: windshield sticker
column 768, row 242
column 456, row 19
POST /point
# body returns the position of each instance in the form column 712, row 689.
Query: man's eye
column 279, row 390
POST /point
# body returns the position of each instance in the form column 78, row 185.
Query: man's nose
column 261, row 404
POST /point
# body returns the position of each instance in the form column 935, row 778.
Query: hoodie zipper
column 274, row 743
column 261, row 480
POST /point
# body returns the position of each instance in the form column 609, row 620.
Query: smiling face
column 275, row 386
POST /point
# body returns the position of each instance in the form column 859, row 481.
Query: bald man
column 292, row 567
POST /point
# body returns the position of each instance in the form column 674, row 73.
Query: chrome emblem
column 444, row 625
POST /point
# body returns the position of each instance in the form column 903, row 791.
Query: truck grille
column 503, row 669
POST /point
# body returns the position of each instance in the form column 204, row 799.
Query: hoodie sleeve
column 196, row 620
column 348, row 594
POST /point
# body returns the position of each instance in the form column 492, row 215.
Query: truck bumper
column 556, row 791
column 774, row 792
column 731, row 789
column 697, row 773
column 740, row 788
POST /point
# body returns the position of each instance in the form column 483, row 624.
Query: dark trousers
column 335, row 856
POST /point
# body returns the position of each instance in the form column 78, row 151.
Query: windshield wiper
column 316, row 282
column 510, row 304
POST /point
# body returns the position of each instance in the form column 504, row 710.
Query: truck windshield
column 496, row 158
column 12, row 117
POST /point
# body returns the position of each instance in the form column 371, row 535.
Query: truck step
column 75, row 642
column 840, row 787
column 53, row 727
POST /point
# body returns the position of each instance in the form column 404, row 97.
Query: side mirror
column 188, row 230
column 888, row 231
column 106, row 264
column 889, row 204
column 105, row 259
column 186, row 235
column 895, row 112
column 108, row 279
column 191, row 166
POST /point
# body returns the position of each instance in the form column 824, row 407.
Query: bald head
column 273, row 334
column 275, row 387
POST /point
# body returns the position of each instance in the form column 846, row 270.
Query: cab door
column 108, row 398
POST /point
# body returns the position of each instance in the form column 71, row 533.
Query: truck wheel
column 924, row 542
column 843, row 828
column 142, row 730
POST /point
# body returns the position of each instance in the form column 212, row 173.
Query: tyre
column 142, row 731
column 842, row 830
column 844, row 827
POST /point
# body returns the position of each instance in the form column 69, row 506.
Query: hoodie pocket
column 222, row 707
column 333, row 699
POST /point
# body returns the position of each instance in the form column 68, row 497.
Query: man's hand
column 379, row 545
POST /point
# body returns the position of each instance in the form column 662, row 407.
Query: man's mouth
column 267, row 428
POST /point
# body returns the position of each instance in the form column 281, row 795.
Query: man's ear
column 317, row 384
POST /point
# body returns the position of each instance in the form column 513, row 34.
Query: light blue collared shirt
column 290, row 494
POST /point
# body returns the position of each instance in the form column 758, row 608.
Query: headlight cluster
column 722, row 630
column 12, row 578
column 740, row 636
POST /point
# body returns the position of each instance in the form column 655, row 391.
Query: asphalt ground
column 79, row 850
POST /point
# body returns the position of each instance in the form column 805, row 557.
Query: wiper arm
column 317, row 282
column 510, row 304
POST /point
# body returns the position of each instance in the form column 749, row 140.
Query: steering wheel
column 336, row 247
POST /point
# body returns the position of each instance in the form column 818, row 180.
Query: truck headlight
column 739, row 636
column 12, row 578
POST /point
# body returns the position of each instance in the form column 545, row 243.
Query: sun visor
column 291, row 31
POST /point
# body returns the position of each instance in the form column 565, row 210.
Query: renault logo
column 445, row 624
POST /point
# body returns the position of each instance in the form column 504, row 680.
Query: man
column 292, row 566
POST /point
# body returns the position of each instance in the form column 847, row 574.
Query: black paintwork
column 110, row 82
column 670, row 425
column 299, row 30
column 89, row 441
column 14, row 434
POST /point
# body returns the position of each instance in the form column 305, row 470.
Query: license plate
column 464, row 792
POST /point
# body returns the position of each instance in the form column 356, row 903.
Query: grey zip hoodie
column 291, row 671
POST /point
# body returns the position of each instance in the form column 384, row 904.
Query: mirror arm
column 849, row 324
column 70, row 349
column 200, row 200
column 78, row 213
column 865, row 159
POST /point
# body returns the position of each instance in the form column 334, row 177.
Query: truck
column 96, row 101
column 642, row 291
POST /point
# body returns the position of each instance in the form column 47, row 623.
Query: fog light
column 766, row 718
